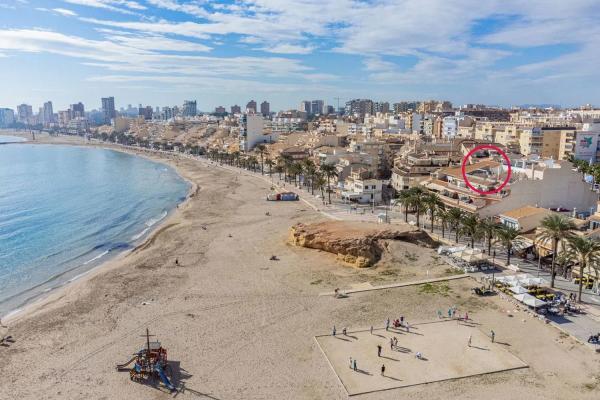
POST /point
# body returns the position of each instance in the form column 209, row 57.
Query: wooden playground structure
column 150, row 364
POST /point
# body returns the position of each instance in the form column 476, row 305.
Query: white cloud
column 121, row 6
column 65, row 12
column 287, row 48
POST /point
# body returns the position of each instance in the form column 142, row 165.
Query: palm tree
column 404, row 198
column 470, row 227
column 555, row 228
column 488, row 229
column 287, row 164
column 329, row 171
column 443, row 217
column 506, row 234
column 270, row 163
column 416, row 201
column 310, row 169
column 455, row 217
column 320, row 182
column 585, row 252
column 432, row 204
column 260, row 149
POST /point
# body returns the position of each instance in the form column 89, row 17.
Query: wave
column 96, row 258
column 149, row 224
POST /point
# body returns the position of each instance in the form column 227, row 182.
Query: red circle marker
column 482, row 147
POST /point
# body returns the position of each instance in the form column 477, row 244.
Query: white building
column 449, row 127
column 252, row 132
column 362, row 190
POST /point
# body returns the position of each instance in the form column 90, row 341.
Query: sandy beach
column 238, row 325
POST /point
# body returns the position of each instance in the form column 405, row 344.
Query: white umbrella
column 518, row 289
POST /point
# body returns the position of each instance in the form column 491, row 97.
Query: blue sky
column 160, row 52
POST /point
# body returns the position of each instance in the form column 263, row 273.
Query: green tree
column 404, row 198
column 310, row 169
column 470, row 227
column 260, row 149
column 270, row 164
column 329, row 171
column 585, row 252
column 416, row 201
column 488, row 229
column 506, row 234
column 432, row 204
column 455, row 217
column 555, row 228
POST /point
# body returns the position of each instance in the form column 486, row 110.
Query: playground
column 443, row 347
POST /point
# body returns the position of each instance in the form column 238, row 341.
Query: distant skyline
column 161, row 52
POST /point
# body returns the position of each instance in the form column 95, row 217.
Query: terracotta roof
column 525, row 211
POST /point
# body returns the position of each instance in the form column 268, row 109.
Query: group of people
column 397, row 323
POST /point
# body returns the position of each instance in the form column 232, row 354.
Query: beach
column 238, row 325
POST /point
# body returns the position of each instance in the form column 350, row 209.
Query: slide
column 124, row 366
column 163, row 377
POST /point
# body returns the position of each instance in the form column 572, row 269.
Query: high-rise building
column 265, row 108
column 405, row 106
column 381, row 107
column 316, row 107
column 47, row 113
column 359, row 107
column 24, row 113
column 145, row 112
column 236, row 109
column 251, row 107
column 7, row 117
column 306, row 107
column 220, row 110
column 189, row 108
column 108, row 109
column 77, row 110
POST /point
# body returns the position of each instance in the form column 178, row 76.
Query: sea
column 65, row 209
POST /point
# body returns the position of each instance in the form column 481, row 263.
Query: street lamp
column 493, row 269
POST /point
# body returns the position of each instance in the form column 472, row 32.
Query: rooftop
column 525, row 211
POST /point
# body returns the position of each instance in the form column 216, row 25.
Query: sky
column 161, row 52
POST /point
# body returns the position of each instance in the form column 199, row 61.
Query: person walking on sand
column 378, row 350
column 469, row 342
column 391, row 344
column 354, row 365
column 334, row 330
column 350, row 362
column 387, row 324
column 344, row 331
column 466, row 316
column 177, row 261
column 450, row 312
column 371, row 329
column 493, row 336
column 382, row 369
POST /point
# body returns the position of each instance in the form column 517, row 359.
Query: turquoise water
column 65, row 209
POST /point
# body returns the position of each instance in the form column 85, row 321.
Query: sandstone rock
column 354, row 243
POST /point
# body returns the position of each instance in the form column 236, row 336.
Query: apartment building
column 361, row 187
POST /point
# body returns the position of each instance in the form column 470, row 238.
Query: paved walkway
column 367, row 287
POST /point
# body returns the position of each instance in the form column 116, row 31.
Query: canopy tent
column 518, row 289
column 529, row 300
column 532, row 282
column 471, row 256
column 507, row 279
column 534, row 302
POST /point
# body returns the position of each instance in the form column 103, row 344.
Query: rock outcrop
column 357, row 244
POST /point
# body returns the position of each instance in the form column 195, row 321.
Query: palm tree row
column 555, row 229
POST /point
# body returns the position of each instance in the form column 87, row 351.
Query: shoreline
column 43, row 298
